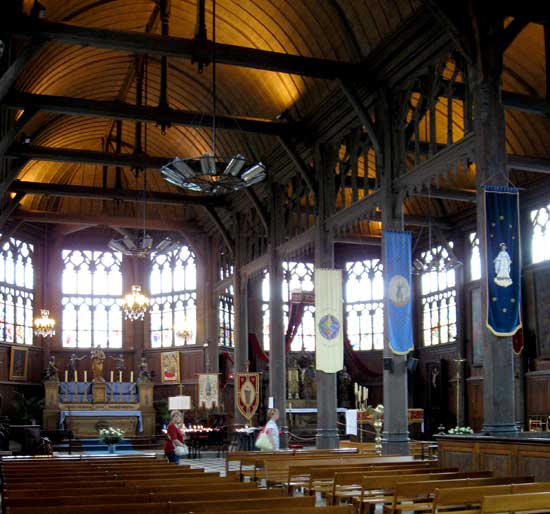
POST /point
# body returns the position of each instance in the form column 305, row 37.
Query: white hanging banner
column 329, row 325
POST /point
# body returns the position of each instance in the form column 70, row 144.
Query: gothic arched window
column 16, row 292
column 173, row 298
column 92, row 297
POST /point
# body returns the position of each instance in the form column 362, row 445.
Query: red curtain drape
column 256, row 348
column 294, row 321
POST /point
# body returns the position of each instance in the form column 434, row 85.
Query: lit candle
column 75, row 375
column 112, row 376
column 120, row 376
column 85, row 375
column 131, row 376
column 66, row 375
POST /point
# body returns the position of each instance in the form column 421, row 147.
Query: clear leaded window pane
column 16, row 292
column 364, row 305
column 438, row 298
column 92, row 291
column 173, row 286
column 540, row 243
column 475, row 258
column 226, row 318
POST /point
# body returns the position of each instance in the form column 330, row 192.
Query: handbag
column 263, row 442
column 180, row 451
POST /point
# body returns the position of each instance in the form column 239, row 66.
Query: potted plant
column 460, row 431
column 111, row 436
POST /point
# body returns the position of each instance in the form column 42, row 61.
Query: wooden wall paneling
column 474, row 386
column 538, row 393
column 542, row 306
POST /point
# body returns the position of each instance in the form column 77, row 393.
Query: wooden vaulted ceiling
column 339, row 30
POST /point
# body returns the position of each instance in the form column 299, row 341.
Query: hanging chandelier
column 135, row 304
column 44, row 326
column 142, row 245
column 213, row 174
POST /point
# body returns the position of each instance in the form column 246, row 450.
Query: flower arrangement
column 460, row 431
column 111, row 435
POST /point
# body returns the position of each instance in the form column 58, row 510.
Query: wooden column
column 489, row 123
column 327, row 431
column 241, row 320
column 395, row 437
column 277, row 353
column 461, row 254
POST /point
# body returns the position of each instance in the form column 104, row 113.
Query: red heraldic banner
column 248, row 393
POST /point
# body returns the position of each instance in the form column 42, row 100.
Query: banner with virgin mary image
column 503, row 263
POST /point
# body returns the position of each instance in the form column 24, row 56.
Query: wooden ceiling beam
column 9, row 77
column 447, row 194
column 526, row 163
column 100, row 193
column 197, row 50
column 13, row 132
column 124, row 111
column 55, row 218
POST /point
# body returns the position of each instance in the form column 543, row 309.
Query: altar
column 86, row 407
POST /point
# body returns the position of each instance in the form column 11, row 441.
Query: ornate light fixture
column 135, row 304
column 44, row 326
column 213, row 174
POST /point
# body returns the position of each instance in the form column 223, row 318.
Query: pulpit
column 85, row 407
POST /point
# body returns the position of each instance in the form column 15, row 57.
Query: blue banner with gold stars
column 397, row 283
column 503, row 266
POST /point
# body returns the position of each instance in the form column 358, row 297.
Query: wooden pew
column 532, row 502
column 340, row 509
column 351, row 484
column 287, row 504
column 150, row 497
column 301, row 476
column 417, row 496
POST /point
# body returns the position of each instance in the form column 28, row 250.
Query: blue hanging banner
column 397, row 284
column 503, row 264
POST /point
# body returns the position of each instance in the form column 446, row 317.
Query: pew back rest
column 536, row 502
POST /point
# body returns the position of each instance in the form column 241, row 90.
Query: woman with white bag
column 174, row 446
column 268, row 440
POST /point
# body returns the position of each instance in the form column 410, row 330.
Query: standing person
column 174, row 437
column 271, row 428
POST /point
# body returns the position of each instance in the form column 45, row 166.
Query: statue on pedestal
column 97, row 356
column 144, row 375
column 293, row 379
column 344, row 388
column 73, row 363
column 310, row 384
column 50, row 373
column 119, row 362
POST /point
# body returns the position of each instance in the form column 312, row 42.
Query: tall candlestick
column 85, row 375
column 131, row 376
column 66, row 375
column 120, row 376
column 112, row 376
column 75, row 375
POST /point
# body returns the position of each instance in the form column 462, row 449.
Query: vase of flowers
column 111, row 436
column 460, row 431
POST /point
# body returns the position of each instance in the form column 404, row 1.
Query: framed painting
column 208, row 390
column 18, row 363
column 170, row 367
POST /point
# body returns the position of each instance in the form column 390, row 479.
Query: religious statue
column 97, row 356
column 344, row 387
column 119, row 362
column 73, row 363
column 503, row 263
column 293, row 378
column 50, row 373
column 310, row 384
column 144, row 375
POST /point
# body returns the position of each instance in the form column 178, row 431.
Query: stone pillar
column 327, row 431
column 241, row 325
column 277, row 353
column 489, row 124
column 395, row 436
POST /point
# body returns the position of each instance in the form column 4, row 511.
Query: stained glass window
column 173, row 298
column 296, row 276
column 226, row 318
column 16, row 292
column 92, row 291
column 364, row 297
column 438, row 289
column 540, row 242
column 475, row 258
